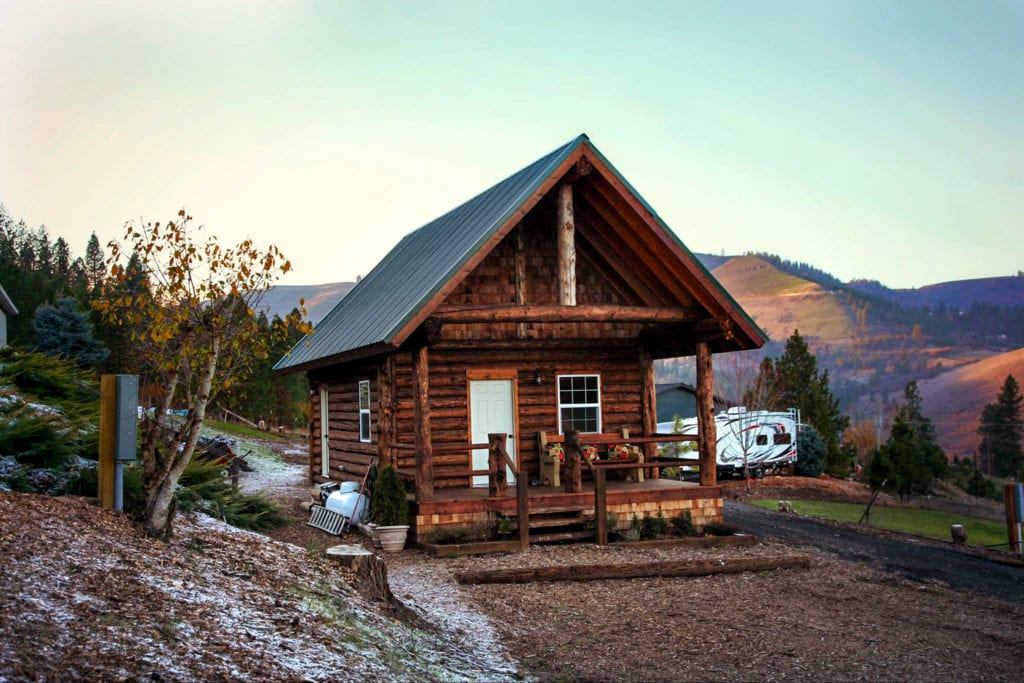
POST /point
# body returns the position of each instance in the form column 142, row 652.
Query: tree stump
column 959, row 533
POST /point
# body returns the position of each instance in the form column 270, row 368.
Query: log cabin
column 530, row 315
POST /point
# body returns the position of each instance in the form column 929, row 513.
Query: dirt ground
column 835, row 621
column 83, row 595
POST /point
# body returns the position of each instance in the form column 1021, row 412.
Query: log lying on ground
column 591, row 572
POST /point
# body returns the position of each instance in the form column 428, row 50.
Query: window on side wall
column 579, row 403
column 364, row 410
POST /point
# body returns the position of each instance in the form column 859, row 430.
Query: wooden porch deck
column 455, row 507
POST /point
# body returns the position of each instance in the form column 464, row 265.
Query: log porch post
column 386, row 411
column 648, row 408
column 421, row 418
column 707, row 438
column 497, row 486
column 572, row 481
column 566, row 247
column 520, row 277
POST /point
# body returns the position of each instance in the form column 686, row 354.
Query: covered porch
column 590, row 503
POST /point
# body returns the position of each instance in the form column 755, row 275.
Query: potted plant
column 390, row 510
column 504, row 528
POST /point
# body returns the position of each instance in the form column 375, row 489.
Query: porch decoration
column 555, row 450
column 590, row 452
column 622, row 451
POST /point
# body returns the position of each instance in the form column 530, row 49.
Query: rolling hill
column 320, row 299
column 780, row 302
column 954, row 399
column 960, row 294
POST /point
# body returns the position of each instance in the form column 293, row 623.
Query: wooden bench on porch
column 551, row 464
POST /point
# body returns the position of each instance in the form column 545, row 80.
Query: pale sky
column 880, row 140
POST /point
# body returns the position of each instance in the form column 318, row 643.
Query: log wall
column 618, row 368
column 346, row 450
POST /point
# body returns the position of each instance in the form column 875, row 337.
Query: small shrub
column 611, row 521
column 682, row 524
column 461, row 534
column 811, row 460
column 204, row 488
column 720, row 529
column 653, row 527
column 633, row 532
column 389, row 505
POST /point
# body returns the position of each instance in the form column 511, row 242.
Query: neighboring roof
column 6, row 305
column 669, row 386
column 384, row 308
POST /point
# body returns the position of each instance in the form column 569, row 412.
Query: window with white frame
column 579, row 403
column 364, row 410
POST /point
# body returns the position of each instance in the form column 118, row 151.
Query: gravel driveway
column 916, row 561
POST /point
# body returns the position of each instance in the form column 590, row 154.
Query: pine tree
column 64, row 331
column 910, row 460
column 796, row 383
column 1002, row 431
column 95, row 266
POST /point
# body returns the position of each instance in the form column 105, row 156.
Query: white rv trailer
column 767, row 438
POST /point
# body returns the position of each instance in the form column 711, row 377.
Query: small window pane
column 364, row 426
column 762, row 439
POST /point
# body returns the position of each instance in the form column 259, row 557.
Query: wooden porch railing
column 497, row 481
column 599, row 468
column 498, row 460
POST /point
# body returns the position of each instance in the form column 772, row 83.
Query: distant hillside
column 711, row 261
column 320, row 299
column 954, row 399
column 780, row 302
column 959, row 295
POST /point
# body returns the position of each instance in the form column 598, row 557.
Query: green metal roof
column 381, row 304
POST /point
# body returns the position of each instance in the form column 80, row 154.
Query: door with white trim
column 492, row 411
column 325, row 428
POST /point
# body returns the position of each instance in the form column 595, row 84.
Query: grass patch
column 930, row 523
column 240, row 430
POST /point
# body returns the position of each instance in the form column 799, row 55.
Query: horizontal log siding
column 538, row 405
column 343, row 414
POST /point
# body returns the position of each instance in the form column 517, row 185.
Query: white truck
column 766, row 438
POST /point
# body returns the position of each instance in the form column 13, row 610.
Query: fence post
column 523, row 509
column 600, row 505
column 573, row 463
column 497, row 482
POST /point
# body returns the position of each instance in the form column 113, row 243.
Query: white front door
column 491, row 412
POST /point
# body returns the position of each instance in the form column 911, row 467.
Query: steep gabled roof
column 386, row 306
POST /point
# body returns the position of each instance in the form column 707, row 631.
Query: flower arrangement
column 590, row 453
column 555, row 450
column 622, row 451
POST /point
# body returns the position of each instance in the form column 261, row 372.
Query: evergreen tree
column 62, row 261
column 910, row 460
column 796, row 383
column 1002, row 431
column 62, row 330
column 95, row 266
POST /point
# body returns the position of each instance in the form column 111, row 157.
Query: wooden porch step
column 556, row 521
column 584, row 509
column 561, row 536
